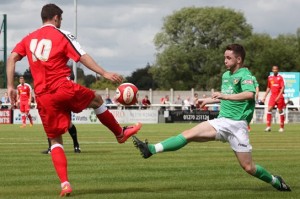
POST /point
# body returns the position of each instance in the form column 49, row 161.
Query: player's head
column 275, row 70
column 234, row 55
column 21, row 80
column 51, row 12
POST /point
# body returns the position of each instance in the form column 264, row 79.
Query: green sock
column 170, row 144
column 264, row 175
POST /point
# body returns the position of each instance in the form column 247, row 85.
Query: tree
column 102, row 84
column 142, row 78
column 191, row 46
column 263, row 52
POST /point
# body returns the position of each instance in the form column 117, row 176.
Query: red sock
column 60, row 162
column 29, row 117
column 107, row 119
column 269, row 118
column 281, row 116
column 23, row 119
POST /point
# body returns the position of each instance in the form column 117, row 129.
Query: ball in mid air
column 127, row 94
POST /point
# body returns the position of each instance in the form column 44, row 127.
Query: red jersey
column 24, row 92
column 275, row 83
column 48, row 50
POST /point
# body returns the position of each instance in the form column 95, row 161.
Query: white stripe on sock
column 57, row 145
column 159, row 148
column 100, row 109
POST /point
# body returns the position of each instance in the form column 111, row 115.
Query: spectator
column 5, row 100
column 108, row 100
column 290, row 102
column 165, row 100
column 195, row 102
column 187, row 103
column 146, row 102
column 178, row 101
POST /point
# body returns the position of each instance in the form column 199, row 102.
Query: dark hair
column 49, row 11
column 238, row 50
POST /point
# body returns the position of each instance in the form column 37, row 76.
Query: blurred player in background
column 276, row 86
column 236, row 110
column 48, row 50
column 24, row 95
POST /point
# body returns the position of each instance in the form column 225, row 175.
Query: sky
column 119, row 34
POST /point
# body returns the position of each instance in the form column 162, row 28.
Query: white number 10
column 40, row 50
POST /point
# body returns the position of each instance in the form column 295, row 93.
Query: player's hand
column 202, row 102
column 12, row 95
column 263, row 100
column 218, row 95
column 114, row 77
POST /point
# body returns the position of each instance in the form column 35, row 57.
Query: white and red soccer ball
column 127, row 94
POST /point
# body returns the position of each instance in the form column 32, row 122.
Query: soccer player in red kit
column 24, row 98
column 48, row 50
column 276, row 86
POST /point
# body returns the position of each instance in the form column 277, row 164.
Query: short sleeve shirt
column 48, row 50
column 235, row 83
column 275, row 83
column 24, row 91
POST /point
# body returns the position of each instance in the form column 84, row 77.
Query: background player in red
column 24, row 96
column 48, row 50
column 276, row 86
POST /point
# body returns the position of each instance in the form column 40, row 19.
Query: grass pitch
column 106, row 169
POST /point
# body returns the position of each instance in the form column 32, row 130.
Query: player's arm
column 10, row 72
column 280, row 93
column 90, row 63
column 30, row 95
column 256, row 93
column 246, row 95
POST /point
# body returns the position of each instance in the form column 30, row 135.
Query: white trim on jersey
column 26, row 85
column 73, row 40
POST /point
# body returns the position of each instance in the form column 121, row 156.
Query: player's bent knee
column 249, row 168
column 96, row 102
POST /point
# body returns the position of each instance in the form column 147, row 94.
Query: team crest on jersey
column 72, row 37
column 236, row 81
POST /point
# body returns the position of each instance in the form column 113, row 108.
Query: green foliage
column 106, row 169
column 142, row 78
column 190, row 46
column 263, row 52
column 102, row 84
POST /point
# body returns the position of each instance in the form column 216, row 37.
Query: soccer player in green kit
column 236, row 111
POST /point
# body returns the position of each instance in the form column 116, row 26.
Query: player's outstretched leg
column 142, row 146
column 276, row 181
column 171, row 144
column 107, row 119
column 128, row 131
column 283, row 185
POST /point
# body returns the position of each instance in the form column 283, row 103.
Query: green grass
column 106, row 169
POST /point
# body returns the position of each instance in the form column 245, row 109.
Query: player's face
column 275, row 70
column 57, row 21
column 230, row 59
column 21, row 80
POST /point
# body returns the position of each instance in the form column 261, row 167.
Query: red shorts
column 280, row 103
column 55, row 107
column 24, row 106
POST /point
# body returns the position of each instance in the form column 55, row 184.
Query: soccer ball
column 127, row 94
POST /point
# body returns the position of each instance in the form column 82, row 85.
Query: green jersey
column 235, row 83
